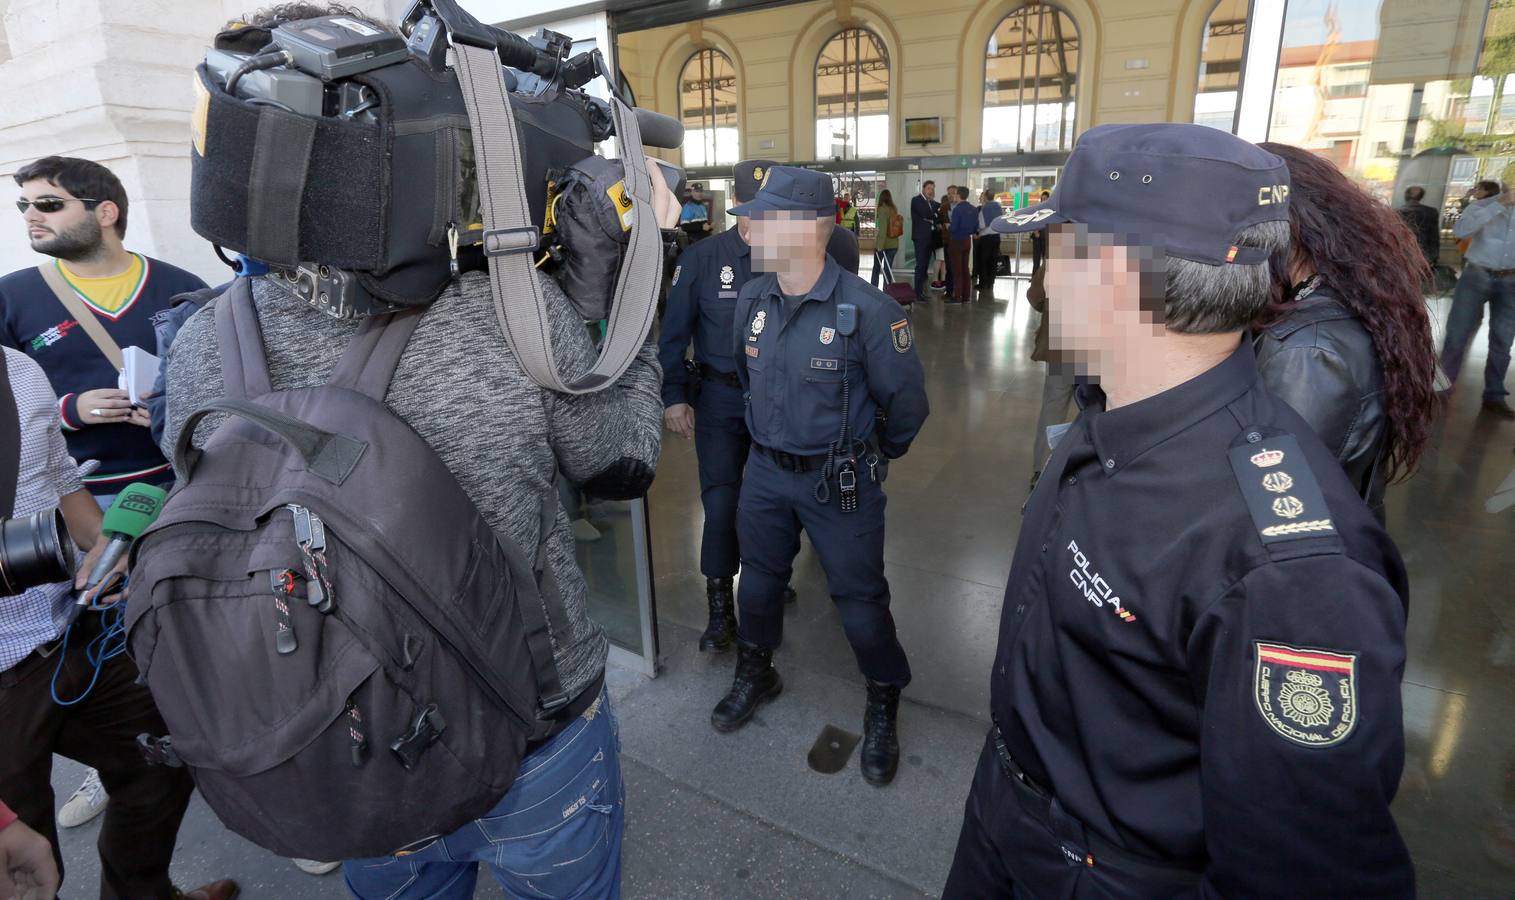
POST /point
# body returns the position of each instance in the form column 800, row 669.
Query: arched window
column 1220, row 58
column 707, row 106
column 852, row 97
column 1031, row 81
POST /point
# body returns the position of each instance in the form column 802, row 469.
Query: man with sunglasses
column 74, row 212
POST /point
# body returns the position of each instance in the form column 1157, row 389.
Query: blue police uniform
column 1197, row 686
column 700, row 308
column 1196, row 691
column 800, row 373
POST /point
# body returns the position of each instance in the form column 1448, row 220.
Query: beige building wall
column 1139, row 62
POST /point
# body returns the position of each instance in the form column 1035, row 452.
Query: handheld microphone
column 135, row 508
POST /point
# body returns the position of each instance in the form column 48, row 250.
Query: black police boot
column 789, row 595
column 756, row 681
column 722, row 628
column 881, row 740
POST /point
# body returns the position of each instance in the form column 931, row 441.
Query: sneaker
column 585, row 532
column 86, row 803
column 315, row 867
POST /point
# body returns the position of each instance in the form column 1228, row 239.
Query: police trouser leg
column 851, row 549
column 721, row 444
column 768, row 533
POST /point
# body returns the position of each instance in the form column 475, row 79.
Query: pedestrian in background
column 1488, row 279
column 962, row 226
column 888, row 225
column 986, row 247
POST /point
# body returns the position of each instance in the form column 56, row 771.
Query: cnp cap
column 748, row 175
column 787, row 189
column 1188, row 190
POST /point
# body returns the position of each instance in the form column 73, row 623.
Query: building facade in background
column 990, row 93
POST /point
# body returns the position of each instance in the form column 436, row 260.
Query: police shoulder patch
column 676, row 271
column 1281, row 492
column 900, row 334
column 1306, row 696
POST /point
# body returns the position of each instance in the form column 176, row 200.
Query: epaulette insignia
column 1281, row 492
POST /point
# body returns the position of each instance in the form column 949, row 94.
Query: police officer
column 1197, row 686
column 703, row 399
column 819, row 353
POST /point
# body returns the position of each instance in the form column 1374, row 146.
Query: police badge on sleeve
column 900, row 334
column 1306, row 696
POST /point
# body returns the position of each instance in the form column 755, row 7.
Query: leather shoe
column 225, row 889
column 1499, row 408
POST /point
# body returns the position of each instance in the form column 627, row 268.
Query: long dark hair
column 1364, row 251
column 885, row 197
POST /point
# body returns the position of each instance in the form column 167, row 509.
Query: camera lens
column 34, row 551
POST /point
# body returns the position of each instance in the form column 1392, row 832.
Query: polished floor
column 954, row 506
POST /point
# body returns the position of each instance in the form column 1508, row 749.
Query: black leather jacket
column 1322, row 362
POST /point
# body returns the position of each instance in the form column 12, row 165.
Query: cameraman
column 42, row 662
column 504, row 439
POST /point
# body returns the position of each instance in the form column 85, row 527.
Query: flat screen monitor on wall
column 927, row 130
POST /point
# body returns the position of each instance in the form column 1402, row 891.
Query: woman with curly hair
column 1347, row 339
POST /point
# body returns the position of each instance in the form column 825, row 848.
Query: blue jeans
column 556, row 833
column 1475, row 288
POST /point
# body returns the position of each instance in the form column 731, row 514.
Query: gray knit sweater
column 460, row 388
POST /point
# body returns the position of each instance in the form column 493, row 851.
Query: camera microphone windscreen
column 132, row 512
column 659, row 130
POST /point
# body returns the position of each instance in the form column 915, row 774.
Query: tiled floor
column 953, row 518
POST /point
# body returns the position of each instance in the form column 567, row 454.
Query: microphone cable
column 106, row 646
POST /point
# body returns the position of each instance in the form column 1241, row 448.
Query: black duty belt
column 1090, row 849
column 790, row 462
column 726, row 378
column 1497, row 273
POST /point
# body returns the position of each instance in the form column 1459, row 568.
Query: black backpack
column 348, row 658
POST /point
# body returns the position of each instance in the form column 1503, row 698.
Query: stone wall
column 109, row 80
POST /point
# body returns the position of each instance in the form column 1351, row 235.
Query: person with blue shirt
column 1488, row 277
column 834, row 391
column 694, row 218
column 962, row 225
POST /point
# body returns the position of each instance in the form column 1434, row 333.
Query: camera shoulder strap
column 10, row 440
column 87, row 320
column 510, row 239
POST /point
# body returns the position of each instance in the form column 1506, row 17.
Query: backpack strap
column 368, row 365
column 244, row 364
column 544, row 619
column 10, row 440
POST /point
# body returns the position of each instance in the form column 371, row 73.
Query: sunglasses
column 50, row 204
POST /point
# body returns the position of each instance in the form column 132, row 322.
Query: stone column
column 109, row 80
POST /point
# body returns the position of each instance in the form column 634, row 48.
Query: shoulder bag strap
column 10, row 439
column 510, row 239
column 81, row 311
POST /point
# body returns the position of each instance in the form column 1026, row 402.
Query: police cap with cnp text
column 747, row 176
column 788, row 189
column 1186, row 190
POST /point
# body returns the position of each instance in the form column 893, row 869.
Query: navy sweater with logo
column 33, row 321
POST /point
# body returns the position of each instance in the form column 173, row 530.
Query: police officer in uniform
column 819, row 353
column 1197, row 686
column 702, row 398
